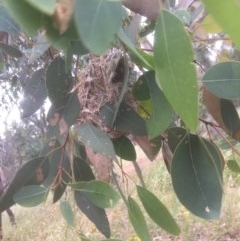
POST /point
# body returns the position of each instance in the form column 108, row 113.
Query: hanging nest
column 100, row 82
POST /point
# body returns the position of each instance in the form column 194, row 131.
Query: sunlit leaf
column 97, row 139
column 233, row 166
column 30, row 196
column 124, row 148
column 176, row 75
column 197, row 176
column 100, row 193
column 137, row 220
column 95, row 214
column 223, row 79
column 223, row 12
column 67, row 212
column 157, row 211
column 210, row 25
column 91, row 19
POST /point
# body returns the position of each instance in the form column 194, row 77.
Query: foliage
column 109, row 88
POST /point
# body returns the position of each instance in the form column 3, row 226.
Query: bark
column 147, row 8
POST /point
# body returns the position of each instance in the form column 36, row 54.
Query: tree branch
column 147, row 8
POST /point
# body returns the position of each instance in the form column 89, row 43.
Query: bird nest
column 100, row 82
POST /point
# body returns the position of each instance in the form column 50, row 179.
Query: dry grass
column 46, row 223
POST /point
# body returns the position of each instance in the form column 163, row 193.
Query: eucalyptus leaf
column 30, row 196
column 197, row 170
column 67, row 212
column 223, row 79
column 95, row 214
column 97, row 139
column 175, row 73
column 157, row 211
column 233, row 166
column 45, row 6
column 92, row 17
column 137, row 220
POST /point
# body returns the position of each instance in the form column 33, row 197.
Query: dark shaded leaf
column 162, row 111
column 24, row 176
column 77, row 48
column 58, row 82
column 7, row 24
column 30, row 196
column 79, row 150
column 35, row 93
column 100, row 193
column 137, row 220
column 175, row 135
column 95, row 214
column 92, row 17
column 11, row 50
column 67, row 212
column 124, row 148
column 233, row 166
column 96, row 139
column 82, row 170
column 173, row 53
column 127, row 120
column 197, row 176
column 229, row 115
column 157, row 211
column 223, row 79
column 141, row 90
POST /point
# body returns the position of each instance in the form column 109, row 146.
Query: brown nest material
column 100, row 82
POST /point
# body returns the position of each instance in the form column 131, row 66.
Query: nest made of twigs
column 100, row 82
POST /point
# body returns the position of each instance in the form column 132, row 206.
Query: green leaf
column 141, row 90
column 223, row 12
column 137, row 220
column 71, row 111
column 58, row 40
column 184, row 15
column 58, row 82
column 101, row 194
column 233, row 166
column 223, row 79
column 92, row 17
column 35, row 93
column 82, row 170
column 127, row 120
column 23, row 13
column 197, row 176
column 77, row 48
column 175, row 135
column 95, row 214
column 162, row 111
column 6, row 22
column 138, row 56
column 26, row 175
column 11, row 50
column 157, row 211
column 124, row 148
column 30, row 196
column 67, row 212
column 176, row 75
column 97, row 139
column 229, row 115
column 121, row 66
column 45, row 6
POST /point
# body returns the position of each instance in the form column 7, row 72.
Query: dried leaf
column 102, row 164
